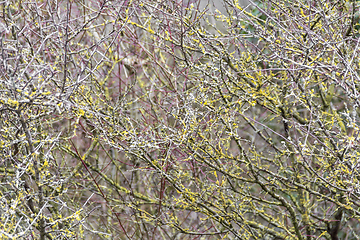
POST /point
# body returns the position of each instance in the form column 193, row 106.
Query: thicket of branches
column 144, row 119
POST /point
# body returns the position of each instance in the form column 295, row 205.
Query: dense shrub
column 150, row 119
